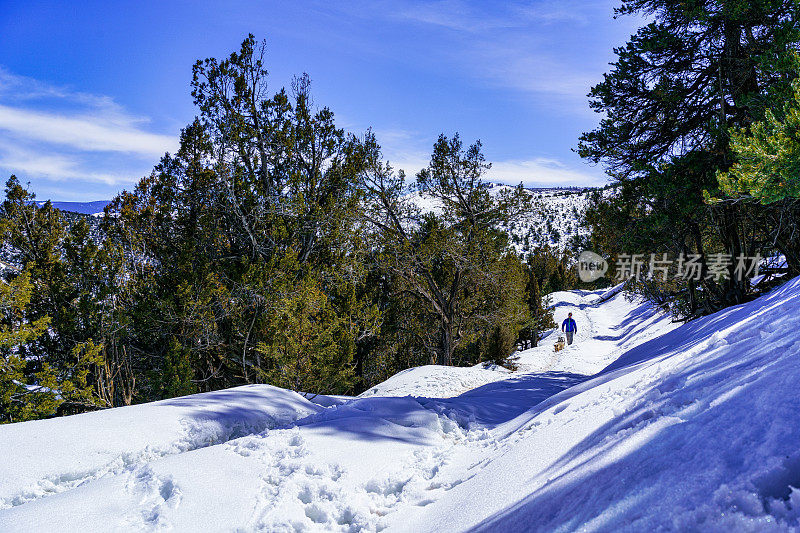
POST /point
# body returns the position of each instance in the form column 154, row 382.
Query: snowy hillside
column 555, row 220
column 642, row 424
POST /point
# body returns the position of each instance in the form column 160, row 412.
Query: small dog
column 559, row 345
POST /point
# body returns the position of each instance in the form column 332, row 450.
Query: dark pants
column 569, row 337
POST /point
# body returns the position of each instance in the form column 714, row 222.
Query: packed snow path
column 641, row 424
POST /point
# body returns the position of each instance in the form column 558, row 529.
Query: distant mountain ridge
column 85, row 208
column 556, row 221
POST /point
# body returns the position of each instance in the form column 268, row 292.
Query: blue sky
column 93, row 93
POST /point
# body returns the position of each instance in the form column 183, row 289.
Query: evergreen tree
column 678, row 86
column 68, row 276
column 446, row 264
column 310, row 348
column 767, row 156
column 260, row 202
column 766, row 170
column 501, row 346
column 24, row 394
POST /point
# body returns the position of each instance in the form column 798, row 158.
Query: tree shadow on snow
column 501, row 401
column 677, row 443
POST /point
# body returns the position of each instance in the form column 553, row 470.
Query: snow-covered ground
column 642, row 424
column 435, row 381
column 45, row 457
column 556, row 219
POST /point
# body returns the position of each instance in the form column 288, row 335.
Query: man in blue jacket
column 569, row 327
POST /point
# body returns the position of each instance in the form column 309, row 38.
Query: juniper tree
column 24, row 394
column 259, row 201
column 447, row 263
column 63, row 285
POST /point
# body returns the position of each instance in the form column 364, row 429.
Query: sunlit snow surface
column 642, row 424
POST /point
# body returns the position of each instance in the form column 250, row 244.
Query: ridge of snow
column 436, row 381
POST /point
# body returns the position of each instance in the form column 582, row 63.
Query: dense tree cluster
column 272, row 247
column 699, row 72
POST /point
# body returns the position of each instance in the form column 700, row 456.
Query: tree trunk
column 445, row 355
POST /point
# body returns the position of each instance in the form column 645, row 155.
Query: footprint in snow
column 156, row 493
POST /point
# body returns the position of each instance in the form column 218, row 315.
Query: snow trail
column 641, row 424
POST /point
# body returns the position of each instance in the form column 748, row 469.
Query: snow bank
column 436, row 381
column 342, row 469
column 45, row 457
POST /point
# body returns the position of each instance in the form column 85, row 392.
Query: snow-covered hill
column 555, row 220
column 642, row 424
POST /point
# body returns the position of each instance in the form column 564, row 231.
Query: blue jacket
column 569, row 325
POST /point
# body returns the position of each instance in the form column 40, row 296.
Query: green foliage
column 448, row 269
column 259, row 204
column 34, row 387
column 501, row 345
column 271, row 247
column 68, row 276
column 24, row 395
column 767, row 156
column 309, row 348
column 697, row 71
column 176, row 375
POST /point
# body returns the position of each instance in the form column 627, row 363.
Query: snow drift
column 44, row 457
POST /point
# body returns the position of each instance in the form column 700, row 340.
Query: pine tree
column 767, row 156
column 678, row 86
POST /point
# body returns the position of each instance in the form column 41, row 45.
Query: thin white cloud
column 455, row 15
column 37, row 111
column 91, row 132
column 22, row 88
column 511, row 45
column 555, row 11
column 535, row 73
column 50, row 135
column 405, row 150
column 58, row 167
column 543, row 172
column 469, row 17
